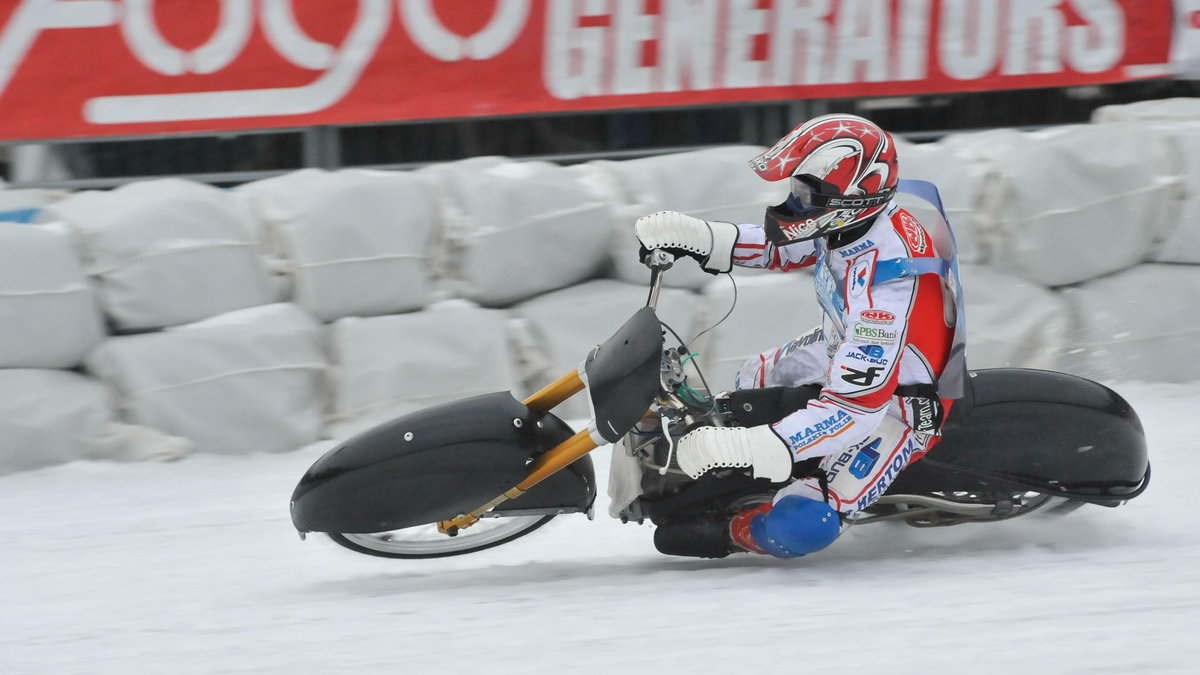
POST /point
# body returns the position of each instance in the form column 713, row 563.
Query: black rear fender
column 1019, row 428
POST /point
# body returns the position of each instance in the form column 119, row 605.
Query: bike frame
column 621, row 379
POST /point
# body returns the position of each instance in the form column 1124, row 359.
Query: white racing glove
column 758, row 447
column 710, row 243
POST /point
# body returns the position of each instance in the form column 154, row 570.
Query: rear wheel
column 954, row 508
column 424, row 541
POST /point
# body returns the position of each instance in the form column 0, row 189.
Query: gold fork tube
column 543, row 467
column 554, row 393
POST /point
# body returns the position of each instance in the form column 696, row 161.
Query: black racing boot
column 704, row 535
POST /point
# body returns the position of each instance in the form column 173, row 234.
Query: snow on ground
column 193, row 567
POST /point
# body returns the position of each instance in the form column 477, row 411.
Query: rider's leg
column 793, row 526
column 808, row 515
column 804, row 360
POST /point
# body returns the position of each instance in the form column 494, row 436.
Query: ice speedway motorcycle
column 480, row 472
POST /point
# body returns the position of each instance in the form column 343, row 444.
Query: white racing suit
column 892, row 329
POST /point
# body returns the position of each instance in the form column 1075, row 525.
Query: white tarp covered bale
column 355, row 242
column 1161, row 110
column 513, row 230
column 962, row 182
column 388, row 366
column 1011, row 322
column 166, row 252
column 1142, row 324
column 712, row 184
column 1075, row 203
column 243, row 382
column 555, row 332
column 52, row 416
column 29, row 199
column 771, row 309
column 49, row 316
column 1181, row 240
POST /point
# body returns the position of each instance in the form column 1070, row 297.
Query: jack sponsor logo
column 872, row 354
column 873, row 351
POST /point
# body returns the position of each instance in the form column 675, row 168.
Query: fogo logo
column 340, row 65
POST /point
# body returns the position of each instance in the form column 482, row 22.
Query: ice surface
column 193, row 567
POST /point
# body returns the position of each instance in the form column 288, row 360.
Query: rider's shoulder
column 906, row 235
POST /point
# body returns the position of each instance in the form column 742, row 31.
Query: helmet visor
column 804, row 194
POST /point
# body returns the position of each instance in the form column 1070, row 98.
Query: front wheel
column 424, row 541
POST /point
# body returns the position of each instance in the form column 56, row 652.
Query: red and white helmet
column 843, row 172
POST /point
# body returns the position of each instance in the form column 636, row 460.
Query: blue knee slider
column 796, row 526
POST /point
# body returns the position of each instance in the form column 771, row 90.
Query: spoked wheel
column 424, row 541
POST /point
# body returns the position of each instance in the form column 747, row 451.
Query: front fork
column 547, row 464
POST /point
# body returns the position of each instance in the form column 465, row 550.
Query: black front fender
column 436, row 464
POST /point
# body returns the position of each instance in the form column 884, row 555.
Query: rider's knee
column 796, row 526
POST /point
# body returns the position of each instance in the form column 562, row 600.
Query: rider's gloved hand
column 758, row 447
column 710, row 243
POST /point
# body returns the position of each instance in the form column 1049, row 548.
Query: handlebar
column 658, row 261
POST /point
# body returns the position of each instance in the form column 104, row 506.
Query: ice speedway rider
column 888, row 356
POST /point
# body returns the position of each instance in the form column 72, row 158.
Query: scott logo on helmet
column 858, row 202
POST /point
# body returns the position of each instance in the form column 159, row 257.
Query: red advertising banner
column 121, row 67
